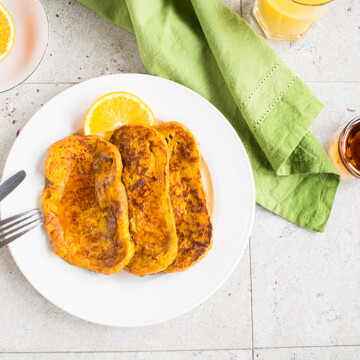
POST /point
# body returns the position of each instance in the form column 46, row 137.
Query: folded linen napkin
column 207, row 47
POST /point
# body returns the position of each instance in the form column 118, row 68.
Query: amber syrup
column 349, row 147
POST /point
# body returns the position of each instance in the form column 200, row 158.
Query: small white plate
column 31, row 39
column 124, row 299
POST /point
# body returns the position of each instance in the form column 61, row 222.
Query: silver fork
column 19, row 225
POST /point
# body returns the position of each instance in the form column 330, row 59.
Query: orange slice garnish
column 7, row 33
column 116, row 109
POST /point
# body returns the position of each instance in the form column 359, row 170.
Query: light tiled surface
column 184, row 355
column 292, row 289
column 306, row 286
column 83, row 45
column 327, row 353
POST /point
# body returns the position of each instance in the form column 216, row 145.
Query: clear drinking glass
column 288, row 19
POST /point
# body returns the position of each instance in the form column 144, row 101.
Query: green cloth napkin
column 207, row 47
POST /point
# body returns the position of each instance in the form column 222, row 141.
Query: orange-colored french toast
column 188, row 199
column 85, row 205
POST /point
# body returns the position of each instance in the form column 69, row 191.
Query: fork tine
column 19, row 221
column 14, row 237
column 5, row 221
column 3, row 234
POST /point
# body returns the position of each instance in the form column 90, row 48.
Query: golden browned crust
column 85, row 205
column 146, row 179
column 188, row 198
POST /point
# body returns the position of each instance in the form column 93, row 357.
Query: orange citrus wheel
column 116, row 109
column 7, row 33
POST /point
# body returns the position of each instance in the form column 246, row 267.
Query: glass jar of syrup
column 349, row 146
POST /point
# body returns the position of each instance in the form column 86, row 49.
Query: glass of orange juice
column 288, row 19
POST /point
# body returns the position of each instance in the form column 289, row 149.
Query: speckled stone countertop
column 295, row 293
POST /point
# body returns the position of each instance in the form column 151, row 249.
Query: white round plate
column 31, row 38
column 123, row 299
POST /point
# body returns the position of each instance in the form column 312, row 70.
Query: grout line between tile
column 251, row 303
column 241, row 10
column 180, row 350
column 304, row 347
column 118, row 352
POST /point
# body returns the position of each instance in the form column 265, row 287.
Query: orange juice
column 288, row 19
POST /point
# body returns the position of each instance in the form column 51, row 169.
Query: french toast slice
column 146, row 179
column 85, row 204
column 188, row 199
